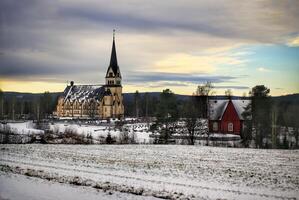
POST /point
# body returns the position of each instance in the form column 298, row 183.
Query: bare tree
column 1, row 104
column 204, row 89
column 92, row 108
column 228, row 93
column 124, row 136
column 194, row 123
column 132, row 137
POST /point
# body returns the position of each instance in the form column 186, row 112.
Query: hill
column 129, row 97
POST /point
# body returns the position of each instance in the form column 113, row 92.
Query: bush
column 109, row 139
column 5, row 131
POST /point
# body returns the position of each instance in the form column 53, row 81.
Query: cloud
column 294, row 42
column 176, row 77
column 63, row 40
column 232, row 87
column 181, row 62
column 162, row 84
column 263, row 69
column 178, row 80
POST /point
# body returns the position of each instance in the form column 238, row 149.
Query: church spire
column 113, row 58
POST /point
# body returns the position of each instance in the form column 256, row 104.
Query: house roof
column 82, row 93
column 217, row 107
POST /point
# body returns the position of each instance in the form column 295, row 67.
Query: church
column 94, row 101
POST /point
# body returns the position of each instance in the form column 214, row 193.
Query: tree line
column 264, row 117
column 37, row 108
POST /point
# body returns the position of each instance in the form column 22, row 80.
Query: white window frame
column 230, row 127
column 215, row 126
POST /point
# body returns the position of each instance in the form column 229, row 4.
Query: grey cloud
column 176, row 77
column 225, row 18
column 232, row 87
column 168, row 84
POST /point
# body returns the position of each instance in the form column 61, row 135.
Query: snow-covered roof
column 218, row 106
column 82, row 93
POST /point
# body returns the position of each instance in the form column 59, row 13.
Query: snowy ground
column 165, row 171
column 140, row 130
column 26, row 128
column 19, row 187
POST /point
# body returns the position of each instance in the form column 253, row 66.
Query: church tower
column 114, row 102
column 113, row 76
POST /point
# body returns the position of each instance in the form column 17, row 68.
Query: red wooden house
column 225, row 115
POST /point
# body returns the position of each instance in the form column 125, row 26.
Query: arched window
column 110, row 74
column 230, row 127
column 215, row 126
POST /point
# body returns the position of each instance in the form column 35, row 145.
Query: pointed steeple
column 113, row 58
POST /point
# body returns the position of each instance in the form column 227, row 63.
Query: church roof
column 82, row 93
column 113, row 58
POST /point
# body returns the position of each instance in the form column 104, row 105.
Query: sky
column 175, row 44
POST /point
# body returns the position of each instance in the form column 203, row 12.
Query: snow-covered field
column 25, row 128
column 140, row 130
column 19, row 187
column 163, row 171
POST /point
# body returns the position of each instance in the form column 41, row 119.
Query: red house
column 225, row 115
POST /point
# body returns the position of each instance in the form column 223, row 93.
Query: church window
column 110, row 74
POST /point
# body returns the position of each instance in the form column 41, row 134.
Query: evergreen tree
column 246, row 133
column 167, row 114
column 137, row 103
column 45, row 106
column 261, row 114
column 109, row 139
column 146, row 103
column 290, row 116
